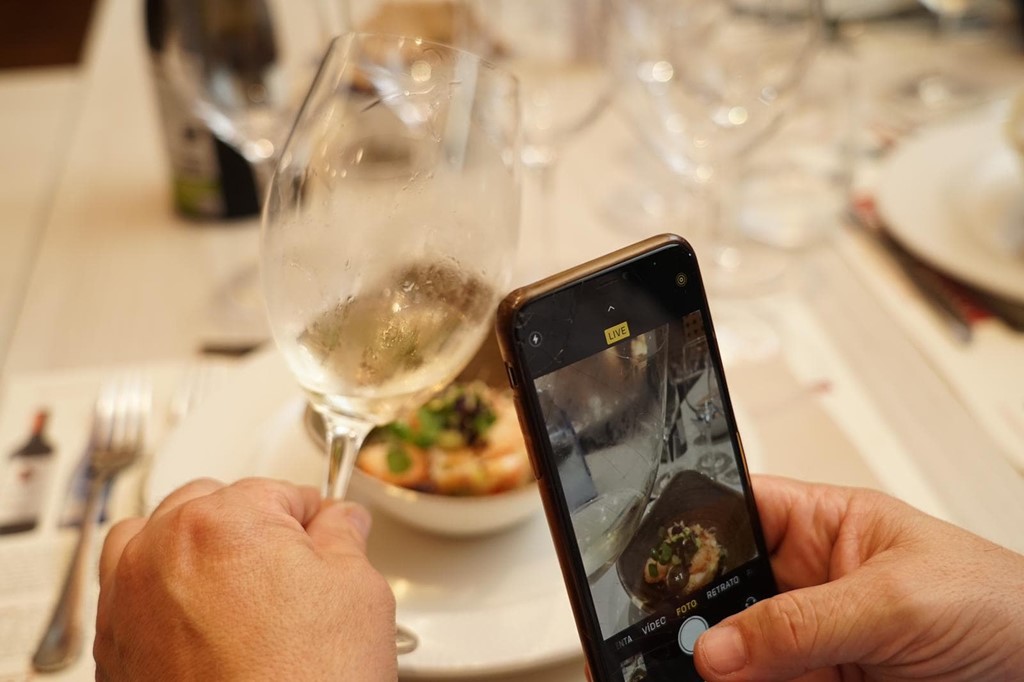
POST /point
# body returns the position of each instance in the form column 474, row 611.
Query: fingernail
column 723, row 649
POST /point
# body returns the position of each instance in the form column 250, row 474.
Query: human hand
column 256, row 580
column 874, row 590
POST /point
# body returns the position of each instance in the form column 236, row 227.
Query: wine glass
column 937, row 90
column 245, row 65
column 715, row 78
column 558, row 51
column 703, row 399
column 389, row 230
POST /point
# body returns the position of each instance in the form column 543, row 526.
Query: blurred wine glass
column 703, row 399
column 938, row 90
column 245, row 65
column 714, row 78
column 558, row 51
column 390, row 230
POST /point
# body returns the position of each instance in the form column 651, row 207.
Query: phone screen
column 641, row 463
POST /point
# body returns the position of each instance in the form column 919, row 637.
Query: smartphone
column 618, row 383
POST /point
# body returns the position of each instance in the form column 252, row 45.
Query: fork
column 115, row 442
column 198, row 382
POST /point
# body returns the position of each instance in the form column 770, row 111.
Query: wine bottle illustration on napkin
column 25, row 480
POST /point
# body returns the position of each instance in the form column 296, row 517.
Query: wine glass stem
column 344, row 438
column 948, row 27
column 716, row 183
column 263, row 173
column 544, row 182
column 537, row 228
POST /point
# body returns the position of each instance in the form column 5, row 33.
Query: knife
column 966, row 304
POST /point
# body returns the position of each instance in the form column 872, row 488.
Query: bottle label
column 195, row 173
column 23, row 488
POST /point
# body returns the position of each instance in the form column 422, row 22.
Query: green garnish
column 431, row 425
column 652, row 570
column 399, row 460
column 483, row 421
column 399, row 430
column 459, row 417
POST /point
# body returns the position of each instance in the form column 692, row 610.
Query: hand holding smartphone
column 620, row 392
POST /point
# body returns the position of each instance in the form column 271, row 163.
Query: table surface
column 97, row 271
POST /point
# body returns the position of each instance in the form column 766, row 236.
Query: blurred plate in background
column 953, row 194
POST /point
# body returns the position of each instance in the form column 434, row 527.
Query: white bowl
column 457, row 515
column 454, row 515
column 448, row 514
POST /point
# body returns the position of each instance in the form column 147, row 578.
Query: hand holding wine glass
column 390, row 230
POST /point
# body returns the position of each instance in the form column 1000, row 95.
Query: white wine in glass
column 390, row 230
column 387, row 351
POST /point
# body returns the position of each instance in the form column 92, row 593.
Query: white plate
column 481, row 606
column 954, row 195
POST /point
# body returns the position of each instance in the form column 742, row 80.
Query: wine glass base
column 932, row 95
column 735, row 274
column 236, row 317
column 744, row 336
column 793, row 204
column 646, row 210
column 719, row 466
column 736, row 268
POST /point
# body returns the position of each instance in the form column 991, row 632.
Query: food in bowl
column 457, row 472
column 687, row 558
column 704, row 523
column 465, row 442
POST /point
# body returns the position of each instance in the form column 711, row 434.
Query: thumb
column 340, row 529
column 790, row 634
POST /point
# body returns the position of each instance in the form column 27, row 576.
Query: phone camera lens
column 681, row 279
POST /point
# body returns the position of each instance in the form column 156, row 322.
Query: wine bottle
column 210, row 179
column 25, row 480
